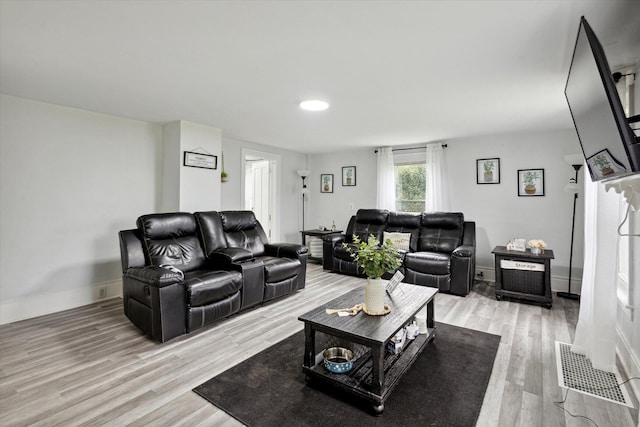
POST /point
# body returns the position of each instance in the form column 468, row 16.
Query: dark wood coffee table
column 376, row 373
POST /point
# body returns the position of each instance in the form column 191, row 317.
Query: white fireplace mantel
column 629, row 186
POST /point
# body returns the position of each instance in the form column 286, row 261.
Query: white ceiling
column 395, row 72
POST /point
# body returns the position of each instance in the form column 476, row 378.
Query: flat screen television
column 608, row 143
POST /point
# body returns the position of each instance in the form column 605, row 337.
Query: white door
column 261, row 189
column 261, row 193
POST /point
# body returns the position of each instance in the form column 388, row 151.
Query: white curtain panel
column 386, row 197
column 437, row 184
column 596, row 329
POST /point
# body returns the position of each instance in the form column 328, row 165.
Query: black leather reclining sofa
column 442, row 247
column 223, row 264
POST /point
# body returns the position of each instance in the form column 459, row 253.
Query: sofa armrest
column 329, row 242
column 252, row 271
column 469, row 234
column 334, row 239
column 287, row 250
column 228, row 256
column 152, row 275
column 464, row 251
column 153, row 303
column 131, row 250
column 463, row 261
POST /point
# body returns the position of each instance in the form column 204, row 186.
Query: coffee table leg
column 430, row 320
column 309, row 346
column 377, row 354
column 378, row 409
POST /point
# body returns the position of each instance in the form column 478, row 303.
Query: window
column 410, row 177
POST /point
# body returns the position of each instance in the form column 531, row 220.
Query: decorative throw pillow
column 400, row 241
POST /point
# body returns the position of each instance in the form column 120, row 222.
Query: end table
column 523, row 275
column 316, row 233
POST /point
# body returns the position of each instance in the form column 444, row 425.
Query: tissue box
column 397, row 342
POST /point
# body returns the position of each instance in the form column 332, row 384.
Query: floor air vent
column 575, row 372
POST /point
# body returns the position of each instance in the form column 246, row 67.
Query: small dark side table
column 523, row 275
column 316, row 233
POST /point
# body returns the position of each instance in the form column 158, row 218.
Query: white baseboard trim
column 46, row 303
column 488, row 274
column 558, row 283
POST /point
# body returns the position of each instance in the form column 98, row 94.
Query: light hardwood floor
column 91, row 366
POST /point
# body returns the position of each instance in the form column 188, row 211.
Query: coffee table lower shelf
column 358, row 381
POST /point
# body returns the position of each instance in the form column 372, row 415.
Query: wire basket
column 522, row 281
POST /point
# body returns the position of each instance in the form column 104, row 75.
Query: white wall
column 499, row 213
column 290, row 221
column 185, row 188
column 70, row 180
column 170, row 170
column 340, row 205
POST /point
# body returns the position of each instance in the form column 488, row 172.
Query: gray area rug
column 444, row 387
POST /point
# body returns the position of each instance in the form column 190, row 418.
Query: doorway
column 260, row 189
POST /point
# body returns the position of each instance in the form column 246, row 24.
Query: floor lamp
column 572, row 186
column 303, row 174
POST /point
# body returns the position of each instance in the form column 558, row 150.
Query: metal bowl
column 338, row 359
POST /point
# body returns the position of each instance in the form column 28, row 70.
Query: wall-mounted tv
column 608, row 143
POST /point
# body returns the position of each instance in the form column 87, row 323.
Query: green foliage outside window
column 410, row 187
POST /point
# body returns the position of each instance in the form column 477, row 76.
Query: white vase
column 374, row 295
column 536, row 251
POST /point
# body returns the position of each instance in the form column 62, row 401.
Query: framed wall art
column 603, row 163
column 530, row 182
column 488, row 171
column 326, row 183
column 348, row 176
column 199, row 160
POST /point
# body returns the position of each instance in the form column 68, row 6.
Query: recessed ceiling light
column 314, row 105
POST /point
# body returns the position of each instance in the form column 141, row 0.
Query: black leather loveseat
column 182, row 271
column 441, row 248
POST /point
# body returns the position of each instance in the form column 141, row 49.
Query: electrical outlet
column 102, row 292
column 480, row 275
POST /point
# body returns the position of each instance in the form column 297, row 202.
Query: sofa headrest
column 166, row 225
column 443, row 220
column 404, row 219
column 211, row 231
column 238, row 220
column 372, row 216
